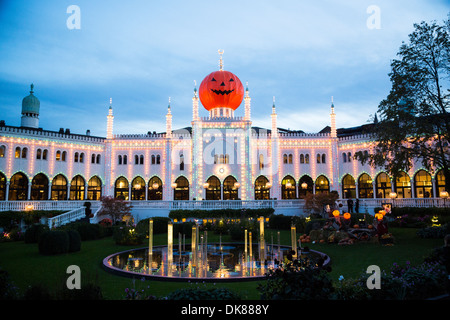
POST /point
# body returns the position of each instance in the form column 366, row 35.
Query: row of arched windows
column 421, row 184
column 137, row 190
column 138, row 159
column 304, row 158
column 41, row 190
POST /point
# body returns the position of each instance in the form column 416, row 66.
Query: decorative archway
column 155, row 189
column 305, row 186
column 138, row 189
column 18, row 187
column 322, row 184
column 39, row 187
column 94, row 188
column 288, row 187
column 121, row 190
column 348, row 187
column 213, row 190
column 77, row 186
column 365, row 186
column 230, row 188
column 59, row 188
column 181, row 191
column 423, row 185
column 383, row 185
column 262, row 188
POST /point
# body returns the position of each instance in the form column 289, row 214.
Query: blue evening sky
column 140, row 53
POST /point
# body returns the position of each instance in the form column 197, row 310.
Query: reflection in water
column 211, row 261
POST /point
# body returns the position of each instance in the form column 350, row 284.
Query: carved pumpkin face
column 221, row 89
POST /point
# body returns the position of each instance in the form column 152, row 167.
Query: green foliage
column 437, row 232
column 295, row 282
column 203, row 293
column 54, row 242
column 159, row 225
column 33, row 232
column 10, row 219
column 127, row 235
column 74, row 240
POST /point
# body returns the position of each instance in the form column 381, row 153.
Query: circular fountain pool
column 213, row 262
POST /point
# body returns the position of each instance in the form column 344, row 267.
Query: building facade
column 219, row 157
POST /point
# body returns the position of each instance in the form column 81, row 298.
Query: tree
column 414, row 120
column 316, row 203
column 116, row 209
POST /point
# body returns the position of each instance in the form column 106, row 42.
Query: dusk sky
column 140, row 53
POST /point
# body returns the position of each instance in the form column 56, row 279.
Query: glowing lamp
column 392, row 195
column 29, row 207
column 174, row 185
column 155, row 186
column 304, row 185
column 336, row 213
column 347, row 215
column 443, row 194
column 206, row 185
column 237, row 185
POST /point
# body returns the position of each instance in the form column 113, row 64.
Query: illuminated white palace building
column 218, row 157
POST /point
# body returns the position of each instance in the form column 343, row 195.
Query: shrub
column 126, row 235
column 293, row 282
column 54, row 242
column 159, row 225
column 204, row 293
column 33, row 233
column 314, row 224
column 434, row 232
column 74, row 240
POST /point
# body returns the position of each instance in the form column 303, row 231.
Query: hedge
column 54, row 242
column 221, row 213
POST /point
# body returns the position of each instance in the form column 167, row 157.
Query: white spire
column 220, row 60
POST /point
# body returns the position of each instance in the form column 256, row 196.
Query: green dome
column 30, row 104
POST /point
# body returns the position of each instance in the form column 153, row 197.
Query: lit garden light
column 294, row 240
column 443, row 195
column 150, row 244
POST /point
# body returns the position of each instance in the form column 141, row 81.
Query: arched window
column 136, row 159
column 2, row 151
column 58, row 155
column 322, row 184
column 153, row 159
column 93, row 158
column 119, row 159
column 307, row 158
column 383, row 185
column 39, row 187
column 349, row 157
column 158, row 159
column 288, row 187
column 324, row 158
column 24, row 153
column 121, row 189
column 302, row 158
column 305, row 186
column 38, row 154
column 59, row 188
column 262, row 188
column 2, row 186
column 216, row 159
column 17, row 153
column 94, row 188
column 125, row 159
column 440, row 182
column 82, row 157
column 98, row 159
column 344, row 157
column 318, row 158
column 44, row 154
column 261, row 161
column 75, row 157
column 77, row 186
column 365, row 186
column 290, row 159
column 403, row 185
column 181, row 191
column 18, row 187
column 138, row 189
column 423, row 187
column 181, row 162
column 63, row 156
column 348, row 187
column 230, row 188
column 155, row 189
column 213, row 192
column 141, row 159
column 285, row 159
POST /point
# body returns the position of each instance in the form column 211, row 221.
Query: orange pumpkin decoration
column 356, row 226
column 370, row 226
column 336, row 213
column 347, row 215
column 221, row 89
column 382, row 212
column 379, row 216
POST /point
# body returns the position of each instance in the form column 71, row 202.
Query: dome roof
column 221, row 89
column 31, row 104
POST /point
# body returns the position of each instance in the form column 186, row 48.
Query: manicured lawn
column 26, row 266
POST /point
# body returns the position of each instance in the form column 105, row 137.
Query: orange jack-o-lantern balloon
column 347, row 215
column 221, row 89
column 336, row 213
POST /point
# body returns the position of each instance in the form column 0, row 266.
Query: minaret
column 30, row 110
column 195, row 116
column 110, row 121
column 169, row 122
column 247, row 104
column 333, row 120
column 274, row 120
